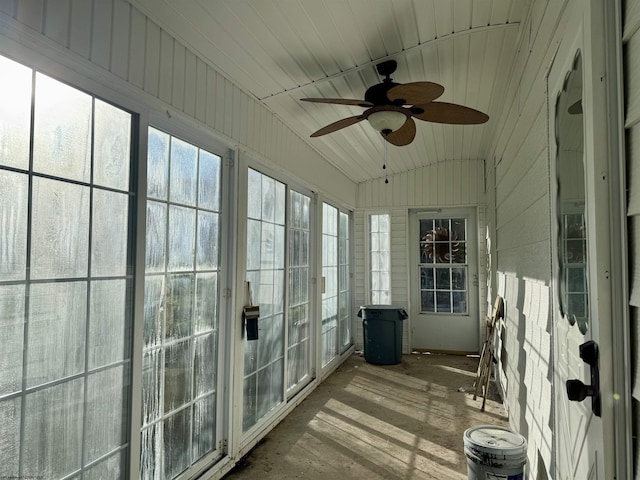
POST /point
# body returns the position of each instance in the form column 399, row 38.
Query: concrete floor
column 396, row 422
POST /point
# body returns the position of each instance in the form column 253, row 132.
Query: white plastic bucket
column 494, row 453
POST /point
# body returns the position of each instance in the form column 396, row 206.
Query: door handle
column 578, row 391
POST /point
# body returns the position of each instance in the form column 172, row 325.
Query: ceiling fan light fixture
column 387, row 120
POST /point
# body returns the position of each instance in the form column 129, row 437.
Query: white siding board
column 237, row 116
column 121, row 39
column 201, row 91
column 56, row 21
column 101, row 32
column 31, row 13
column 190, row 84
column 152, row 59
column 166, row 67
column 219, row 112
column 178, row 76
column 210, row 99
column 80, row 27
column 138, row 35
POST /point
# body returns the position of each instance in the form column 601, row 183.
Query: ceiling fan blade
column 332, row 127
column 404, row 135
column 415, row 93
column 340, row 101
column 443, row 112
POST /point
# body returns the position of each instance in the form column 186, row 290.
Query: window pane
column 182, row 238
column 109, row 332
column 60, row 229
column 177, row 375
column 184, row 174
column 53, row 430
column 177, row 432
column 179, row 306
column 157, row 164
column 209, row 181
column 56, row 345
column 15, row 114
column 156, row 237
column 106, row 402
column 112, row 140
column 204, row 373
column 11, row 339
column 204, row 427
column 207, row 258
column 109, row 238
column 62, row 130
column 10, row 436
column 13, row 224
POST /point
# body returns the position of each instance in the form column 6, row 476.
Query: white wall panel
column 436, row 185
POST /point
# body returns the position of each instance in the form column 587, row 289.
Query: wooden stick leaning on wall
column 483, row 374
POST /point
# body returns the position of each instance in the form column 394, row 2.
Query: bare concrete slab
column 395, row 422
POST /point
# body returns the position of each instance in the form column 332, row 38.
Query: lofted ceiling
column 280, row 51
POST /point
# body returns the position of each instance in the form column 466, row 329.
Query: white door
column 580, row 251
column 444, row 281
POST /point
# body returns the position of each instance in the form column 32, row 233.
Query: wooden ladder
column 483, row 375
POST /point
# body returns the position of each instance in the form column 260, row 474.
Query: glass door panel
column 66, row 279
column 264, row 358
column 299, row 311
column 181, row 321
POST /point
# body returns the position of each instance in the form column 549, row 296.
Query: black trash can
column 382, row 325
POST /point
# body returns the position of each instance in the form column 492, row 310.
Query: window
column 181, row 321
column 66, row 279
column 443, row 265
column 380, row 259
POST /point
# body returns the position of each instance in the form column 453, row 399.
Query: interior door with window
column 444, row 281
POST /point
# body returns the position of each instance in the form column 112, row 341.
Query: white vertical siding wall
column 518, row 189
column 453, row 183
column 119, row 40
column 631, row 41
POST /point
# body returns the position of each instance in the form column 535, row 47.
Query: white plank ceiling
column 280, row 51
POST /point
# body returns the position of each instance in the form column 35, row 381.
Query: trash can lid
column 382, row 307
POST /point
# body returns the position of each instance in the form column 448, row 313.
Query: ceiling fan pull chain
column 384, row 166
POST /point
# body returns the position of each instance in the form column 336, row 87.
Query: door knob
column 577, row 391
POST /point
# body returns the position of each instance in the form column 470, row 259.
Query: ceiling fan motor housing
column 377, row 94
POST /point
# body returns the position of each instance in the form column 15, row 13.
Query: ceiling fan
column 391, row 108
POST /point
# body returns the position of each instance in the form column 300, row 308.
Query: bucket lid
column 494, row 439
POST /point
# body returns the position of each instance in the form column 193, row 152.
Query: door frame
column 598, row 37
column 474, row 279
